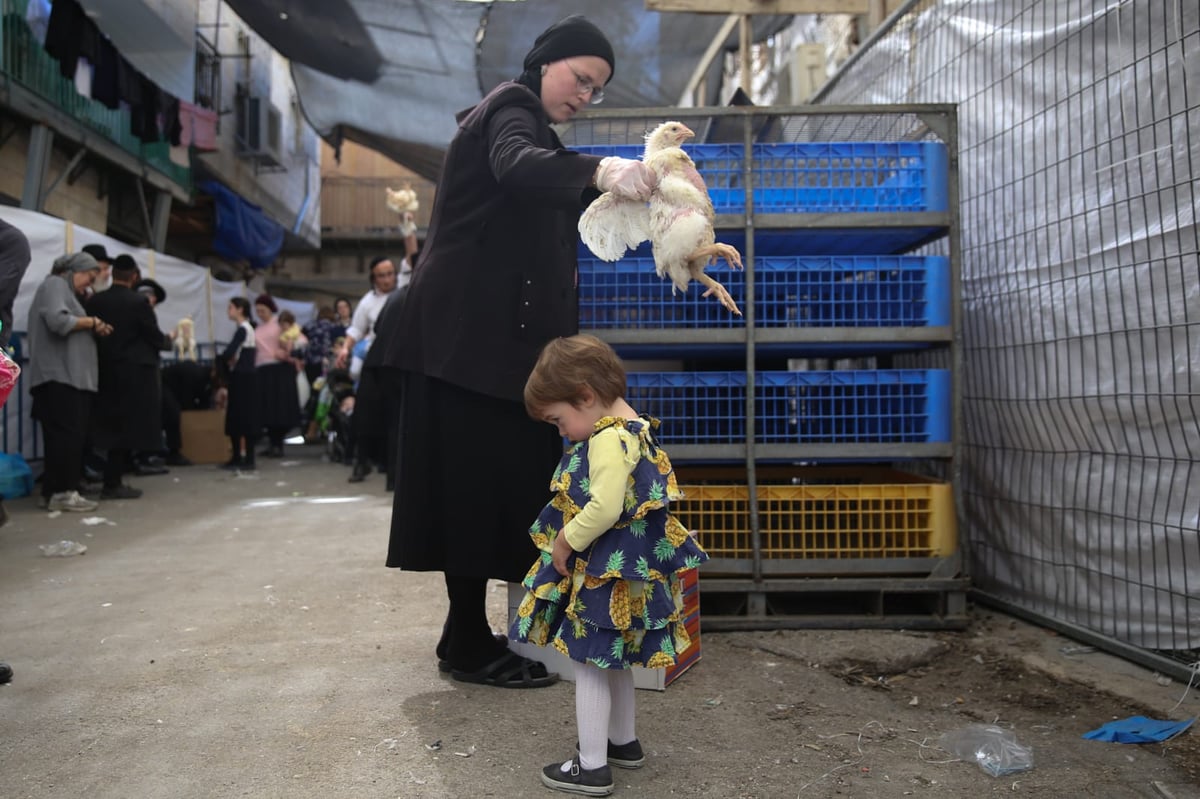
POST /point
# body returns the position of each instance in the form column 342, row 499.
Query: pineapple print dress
column 621, row 605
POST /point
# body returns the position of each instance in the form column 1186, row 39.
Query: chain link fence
column 1081, row 301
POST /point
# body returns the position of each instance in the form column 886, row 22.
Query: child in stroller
column 335, row 407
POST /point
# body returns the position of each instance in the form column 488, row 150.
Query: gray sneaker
column 72, row 501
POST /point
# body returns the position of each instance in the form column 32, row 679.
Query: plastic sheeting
column 242, row 231
column 1079, row 208
column 442, row 57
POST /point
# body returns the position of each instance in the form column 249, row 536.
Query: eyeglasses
column 595, row 94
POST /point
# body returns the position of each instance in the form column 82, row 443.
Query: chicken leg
column 708, row 255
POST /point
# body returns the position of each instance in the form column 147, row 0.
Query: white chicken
column 678, row 220
column 404, row 202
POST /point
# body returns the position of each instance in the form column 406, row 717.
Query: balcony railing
column 357, row 207
column 24, row 60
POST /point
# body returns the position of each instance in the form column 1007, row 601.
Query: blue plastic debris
column 1137, row 730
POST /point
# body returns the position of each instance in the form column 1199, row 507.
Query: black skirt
column 241, row 410
column 472, row 473
column 278, row 399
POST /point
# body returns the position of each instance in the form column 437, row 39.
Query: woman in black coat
column 495, row 282
column 242, row 421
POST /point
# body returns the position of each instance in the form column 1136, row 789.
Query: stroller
column 333, row 412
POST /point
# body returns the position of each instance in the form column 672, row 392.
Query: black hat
column 124, row 265
column 98, row 252
column 148, row 286
column 569, row 37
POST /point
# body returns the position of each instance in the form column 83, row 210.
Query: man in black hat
column 185, row 384
column 152, row 290
column 102, row 257
column 128, row 405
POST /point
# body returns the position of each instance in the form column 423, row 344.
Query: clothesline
column 89, row 59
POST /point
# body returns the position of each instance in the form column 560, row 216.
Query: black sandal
column 510, row 670
column 445, row 667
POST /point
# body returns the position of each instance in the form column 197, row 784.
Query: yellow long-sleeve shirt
column 608, row 476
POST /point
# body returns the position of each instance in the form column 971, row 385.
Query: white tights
column 603, row 711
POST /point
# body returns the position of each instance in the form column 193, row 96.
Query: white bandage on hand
column 408, row 224
column 626, row 178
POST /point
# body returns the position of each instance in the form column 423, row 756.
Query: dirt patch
column 867, row 722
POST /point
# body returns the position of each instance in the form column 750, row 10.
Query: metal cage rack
column 846, row 218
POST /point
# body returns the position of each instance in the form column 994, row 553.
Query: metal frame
column 936, row 576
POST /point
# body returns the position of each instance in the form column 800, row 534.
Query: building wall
column 354, row 194
column 357, row 225
column 361, row 162
column 332, row 272
column 79, row 202
column 282, row 193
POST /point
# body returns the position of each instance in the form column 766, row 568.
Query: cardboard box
column 203, row 435
column 650, row 679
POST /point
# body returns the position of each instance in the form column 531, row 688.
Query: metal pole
column 162, row 219
column 41, row 144
column 744, row 31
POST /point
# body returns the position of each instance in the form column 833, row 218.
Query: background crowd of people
column 321, row 377
column 108, row 405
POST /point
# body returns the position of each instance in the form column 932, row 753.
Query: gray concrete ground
column 229, row 636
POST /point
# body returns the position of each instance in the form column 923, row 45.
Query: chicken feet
column 707, row 256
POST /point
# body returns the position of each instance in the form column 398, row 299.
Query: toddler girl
column 605, row 590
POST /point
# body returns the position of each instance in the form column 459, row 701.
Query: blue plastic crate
column 818, row 177
column 627, row 294
column 852, row 291
column 849, row 177
column 795, row 291
column 694, row 407
column 876, row 406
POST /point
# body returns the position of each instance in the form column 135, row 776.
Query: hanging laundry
column 65, row 33
column 37, row 16
column 197, row 127
column 171, row 127
column 83, row 77
column 104, row 80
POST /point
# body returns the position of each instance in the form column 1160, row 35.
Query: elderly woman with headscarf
column 275, row 378
column 494, row 283
column 63, row 375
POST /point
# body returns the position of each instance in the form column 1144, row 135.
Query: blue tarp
column 1137, row 730
column 243, row 231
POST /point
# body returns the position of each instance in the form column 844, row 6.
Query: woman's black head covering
column 573, row 36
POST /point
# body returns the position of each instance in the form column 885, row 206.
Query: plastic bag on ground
column 63, row 549
column 994, row 749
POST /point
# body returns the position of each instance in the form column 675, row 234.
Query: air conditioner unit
column 259, row 131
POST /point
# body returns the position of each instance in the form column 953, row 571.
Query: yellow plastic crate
column 839, row 520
